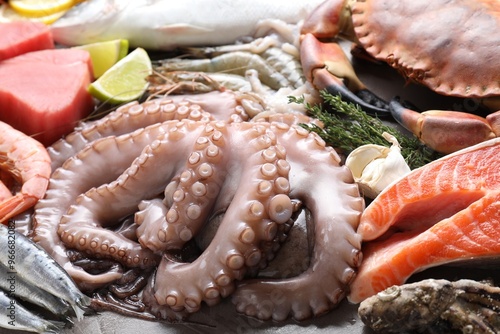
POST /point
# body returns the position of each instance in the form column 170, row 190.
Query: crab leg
column 445, row 131
column 325, row 64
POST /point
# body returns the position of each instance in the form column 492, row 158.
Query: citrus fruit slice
column 105, row 54
column 39, row 8
column 125, row 81
column 7, row 14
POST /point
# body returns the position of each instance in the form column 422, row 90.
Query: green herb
column 347, row 127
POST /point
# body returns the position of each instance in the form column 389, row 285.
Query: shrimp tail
column 15, row 205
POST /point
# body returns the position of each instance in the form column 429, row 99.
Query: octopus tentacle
column 160, row 311
column 133, row 116
column 190, row 197
column 151, row 218
column 78, row 174
column 329, row 192
column 100, row 207
column 260, row 202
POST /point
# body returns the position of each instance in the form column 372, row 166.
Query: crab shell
column 452, row 47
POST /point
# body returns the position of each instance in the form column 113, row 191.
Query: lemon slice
column 105, row 54
column 7, row 14
column 39, row 8
column 125, row 81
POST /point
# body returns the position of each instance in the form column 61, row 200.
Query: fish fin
column 81, row 306
column 79, row 311
column 183, row 28
column 54, row 327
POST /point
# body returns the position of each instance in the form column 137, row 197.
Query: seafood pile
column 201, row 192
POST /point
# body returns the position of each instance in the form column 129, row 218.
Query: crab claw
column 494, row 121
column 327, row 67
column 443, row 131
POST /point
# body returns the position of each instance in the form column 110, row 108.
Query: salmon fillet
column 446, row 211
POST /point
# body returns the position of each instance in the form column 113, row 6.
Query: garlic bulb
column 374, row 167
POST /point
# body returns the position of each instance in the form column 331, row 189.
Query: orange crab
column 450, row 46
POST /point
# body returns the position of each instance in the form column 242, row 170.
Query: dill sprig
column 347, row 127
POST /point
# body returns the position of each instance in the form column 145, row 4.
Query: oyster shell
column 434, row 306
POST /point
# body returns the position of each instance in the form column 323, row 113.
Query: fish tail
column 81, row 306
column 54, row 327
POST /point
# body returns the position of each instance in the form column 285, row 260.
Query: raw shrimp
column 25, row 161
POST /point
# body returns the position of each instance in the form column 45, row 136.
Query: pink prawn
column 25, row 161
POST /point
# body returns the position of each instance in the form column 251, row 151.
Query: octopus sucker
column 133, row 116
column 192, row 198
column 230, row 255
column 109, row 202
column 78, row 174
column 334, row 224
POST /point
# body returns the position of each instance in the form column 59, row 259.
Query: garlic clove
column 374, row 167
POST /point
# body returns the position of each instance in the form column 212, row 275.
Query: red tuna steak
column 20, row 37
column 44, row 93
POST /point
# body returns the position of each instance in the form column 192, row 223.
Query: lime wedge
column 125, row 81
column 39, row 8
column 105, row 54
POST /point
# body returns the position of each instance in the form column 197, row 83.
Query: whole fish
column 166, row 24
column 33, row 265
column 17, row 318
column 17, row 287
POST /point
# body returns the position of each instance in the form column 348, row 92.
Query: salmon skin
column 446, row 211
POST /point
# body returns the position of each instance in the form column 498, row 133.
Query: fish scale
column 24, row 320
column 33, row 294
column 39, row 269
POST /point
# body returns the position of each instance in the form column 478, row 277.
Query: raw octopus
column 167, row 181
